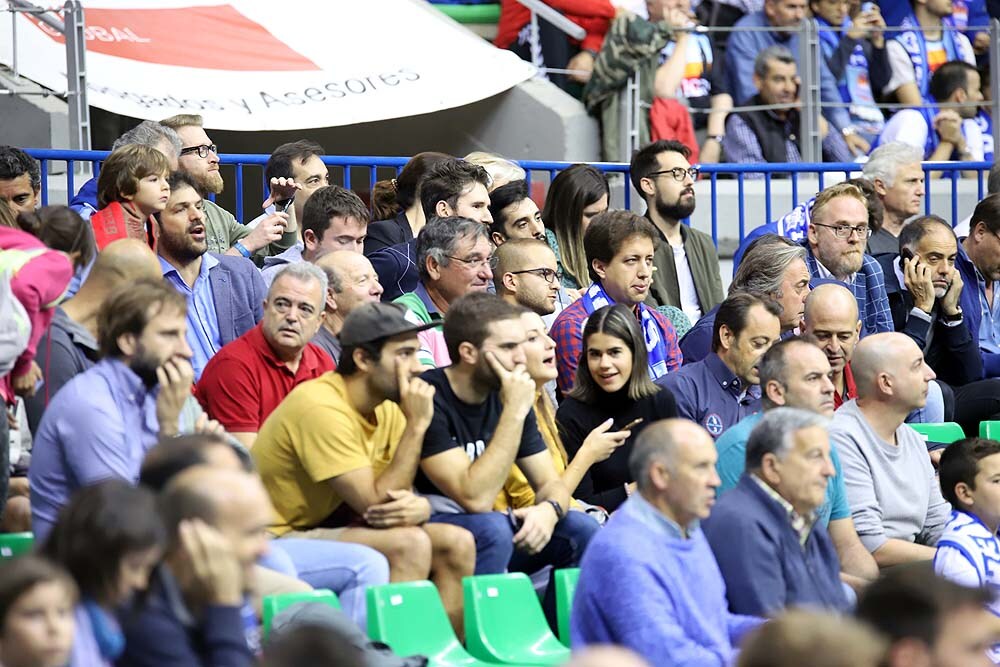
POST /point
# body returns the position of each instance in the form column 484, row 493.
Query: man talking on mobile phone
column 924, row 290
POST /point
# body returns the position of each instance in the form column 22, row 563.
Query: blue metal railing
column 741, row 173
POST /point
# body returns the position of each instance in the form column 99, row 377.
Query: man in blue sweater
column 651, row 583
column 978, row 263
column 766, row 535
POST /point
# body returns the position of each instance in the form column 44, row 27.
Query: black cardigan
column 604, row 483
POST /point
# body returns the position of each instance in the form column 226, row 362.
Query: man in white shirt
column 948, row 134
column 687, row 265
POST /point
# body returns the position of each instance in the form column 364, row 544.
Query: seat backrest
column 15, row 544
column 989, row 429
column 411, row 619
column 274, row 604
column 566, row 581
column 945, row 432
column 502, row 615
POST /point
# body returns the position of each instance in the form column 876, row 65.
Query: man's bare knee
column 454, row 546
column 409, row 549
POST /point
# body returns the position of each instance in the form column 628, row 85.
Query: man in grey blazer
column 225, row 294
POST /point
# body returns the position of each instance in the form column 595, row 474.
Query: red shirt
column 850, row 389
column 245, row 381
column 594, row 16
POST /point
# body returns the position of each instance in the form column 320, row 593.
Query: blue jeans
column 346, row 569
column 495, row 546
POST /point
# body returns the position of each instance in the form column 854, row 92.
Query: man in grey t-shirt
column 895, row 499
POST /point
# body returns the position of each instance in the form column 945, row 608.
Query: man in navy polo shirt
column 245, row 381
column 723, row 388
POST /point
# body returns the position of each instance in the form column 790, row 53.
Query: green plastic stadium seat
column 989, row 430
column 411, row 619
column 946, row 432
column 15, row 544
column 273, row 604
column 565, row 590
column 468, row 14
column 504, row 622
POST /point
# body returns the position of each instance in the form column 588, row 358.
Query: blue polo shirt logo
column 713, row 424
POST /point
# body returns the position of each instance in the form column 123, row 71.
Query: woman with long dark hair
column 612, row 384
column 575, row 196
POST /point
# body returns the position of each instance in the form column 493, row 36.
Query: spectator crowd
column 219, row 410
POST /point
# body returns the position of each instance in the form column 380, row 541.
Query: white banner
column 269, row 64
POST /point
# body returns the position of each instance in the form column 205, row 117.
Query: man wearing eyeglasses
column 836, row 242
column 199, row 158
column 772, row 135
column 687, row 265
column 454, row 258
column 526, row 274
column 243, row 384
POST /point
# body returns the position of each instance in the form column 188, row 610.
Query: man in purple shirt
column 103, row 421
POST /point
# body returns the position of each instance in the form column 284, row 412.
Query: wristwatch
column 953, row 318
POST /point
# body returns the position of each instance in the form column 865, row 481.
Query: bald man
column 526, row 274
column 895, row 499
column 831, row 319
column 675, row 611
column 70, row 345
column 352, row 281
column 194, row 610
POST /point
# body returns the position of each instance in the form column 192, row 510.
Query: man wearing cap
column 338, row 456
column 248, row 378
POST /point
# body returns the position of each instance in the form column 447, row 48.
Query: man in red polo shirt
column 247, row 379
column 831, row 319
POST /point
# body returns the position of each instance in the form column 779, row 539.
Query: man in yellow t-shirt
column 338, row 456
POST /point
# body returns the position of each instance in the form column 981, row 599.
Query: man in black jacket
column 924, row 288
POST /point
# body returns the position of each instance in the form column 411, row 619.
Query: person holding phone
column 613, row 392
column 924, row 288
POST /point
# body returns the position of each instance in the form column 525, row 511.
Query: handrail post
column 994, row 56
column 809, row 93
column 76, row 75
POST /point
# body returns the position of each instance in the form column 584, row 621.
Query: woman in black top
column 612, row 383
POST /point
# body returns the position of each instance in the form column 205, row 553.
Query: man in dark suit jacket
column 924, row 289
column 225, row 294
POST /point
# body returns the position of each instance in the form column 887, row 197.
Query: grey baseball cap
column 375, row 321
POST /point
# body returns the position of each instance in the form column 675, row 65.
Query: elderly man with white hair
column 894, row 169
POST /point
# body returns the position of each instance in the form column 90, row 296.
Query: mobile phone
column 284, row 209
column 628, row 426
column 906, row 253
column 515, row 522
column 867, row 7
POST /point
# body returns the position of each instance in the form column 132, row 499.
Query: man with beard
column 224, row 294
column 687, row 265
column 724, row 387
column 247, row 379
column 526, row 274
column 482, row 424
column 199, row 159
column 339, row 455
column 836, row 242
column 105, row 419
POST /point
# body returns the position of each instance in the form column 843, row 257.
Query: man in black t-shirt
column 483, row 423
